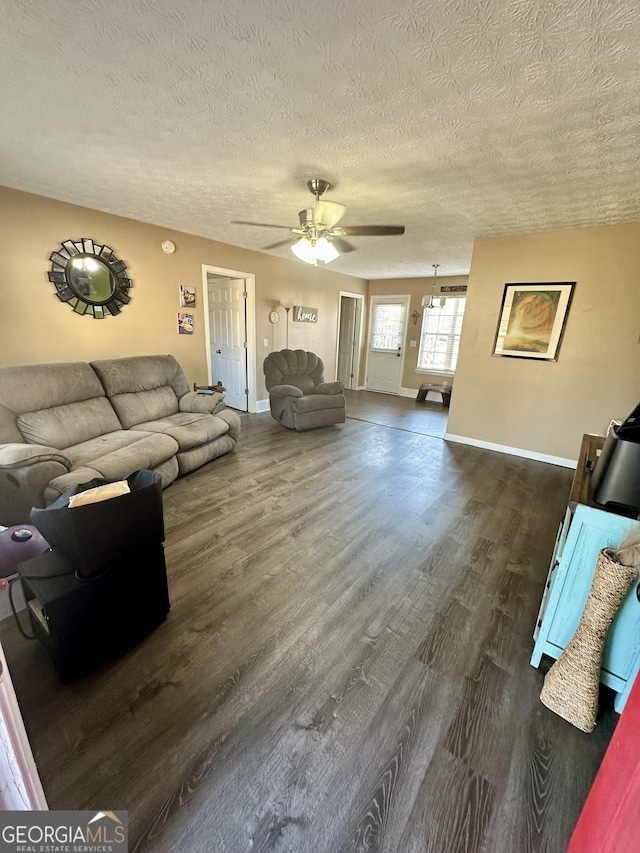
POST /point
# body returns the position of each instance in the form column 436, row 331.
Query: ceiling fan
column 319, row 237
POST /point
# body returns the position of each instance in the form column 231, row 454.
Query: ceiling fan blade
column 288, row 242
column 342, row 246
column 326, row 214
column 260, row 224
column 369, row 230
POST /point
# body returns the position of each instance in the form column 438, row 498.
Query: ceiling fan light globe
column 326, row 251
column 305, row 251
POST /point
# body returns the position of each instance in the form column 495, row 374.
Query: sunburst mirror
column 90, row 278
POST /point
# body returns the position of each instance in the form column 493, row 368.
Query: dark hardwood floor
column 425, row 418
column 346, row 663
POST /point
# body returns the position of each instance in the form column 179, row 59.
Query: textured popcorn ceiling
column 458, row 119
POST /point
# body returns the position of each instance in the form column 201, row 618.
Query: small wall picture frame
column 532, row 319
column 187, row 296
column 185, row 324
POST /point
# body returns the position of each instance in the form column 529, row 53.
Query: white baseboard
column 512, row 451
column 262, row 405
column 408, row 392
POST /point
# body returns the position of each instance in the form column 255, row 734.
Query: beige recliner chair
column 298, row 395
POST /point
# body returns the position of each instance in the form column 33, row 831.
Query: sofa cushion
column 142, row 388
column 72, row 423
column 188, row 428
column 317, row 402
column 233, row 419
column 33, row 388
column 189, row 460
column 132, row 409
column 106, row 452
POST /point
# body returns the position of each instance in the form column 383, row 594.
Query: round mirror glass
column 91, row 279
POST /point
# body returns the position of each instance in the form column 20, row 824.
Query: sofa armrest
column 285, row 391
column 329, row 388
column 233, row 419
column 203, row 404
column 22, row 455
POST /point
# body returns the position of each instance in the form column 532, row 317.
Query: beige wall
column 36, row 327
column 416, row 288
column 545, row 407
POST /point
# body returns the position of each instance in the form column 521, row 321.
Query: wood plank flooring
column 345, row 665
column 426, row 418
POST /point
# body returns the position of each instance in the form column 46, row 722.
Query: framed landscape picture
column 532, row 319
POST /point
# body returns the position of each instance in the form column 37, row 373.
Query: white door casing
column 20, row 786
column 230, row 334
column 349, row 333
column 385, row 351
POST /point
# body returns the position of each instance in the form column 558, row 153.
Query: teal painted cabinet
column 582, row 535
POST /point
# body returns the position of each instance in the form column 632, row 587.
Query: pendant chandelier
column 433, row 301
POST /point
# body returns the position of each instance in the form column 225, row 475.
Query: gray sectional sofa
column 63, row 424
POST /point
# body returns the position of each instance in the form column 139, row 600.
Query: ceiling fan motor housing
column 306, row 217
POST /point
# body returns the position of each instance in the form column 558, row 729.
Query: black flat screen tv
column 616, row 478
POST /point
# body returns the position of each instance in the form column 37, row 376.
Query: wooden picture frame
column 532, row 319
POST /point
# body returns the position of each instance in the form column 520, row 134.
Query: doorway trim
column 250, row 324
column 358, row 352
column 398, row 297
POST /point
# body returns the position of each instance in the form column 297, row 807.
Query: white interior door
column 227, row 337
column 347, row 340
column 386, row 343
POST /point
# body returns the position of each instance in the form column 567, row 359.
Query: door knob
column 219, row 351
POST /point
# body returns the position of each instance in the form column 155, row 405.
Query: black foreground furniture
column 82, row 623
column 103, row 586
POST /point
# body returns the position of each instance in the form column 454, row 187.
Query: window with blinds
column 440, row 336
column 386, row 325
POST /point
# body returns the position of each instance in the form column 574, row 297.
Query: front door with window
column 386, row 342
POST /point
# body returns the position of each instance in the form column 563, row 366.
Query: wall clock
column 90, row 278
column 274, row 317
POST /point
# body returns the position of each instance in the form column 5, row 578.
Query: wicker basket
column 571, row 686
